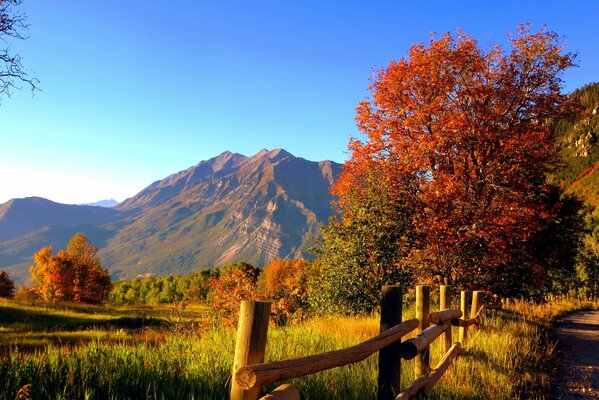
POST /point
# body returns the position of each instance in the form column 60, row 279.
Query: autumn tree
column 469, row 130
column 12, row 26
column 74, row 274
column 7, row 286
column 235, row 283
column 91, row 283
column 285, row 283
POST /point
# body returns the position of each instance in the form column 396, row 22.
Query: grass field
column 75, row 352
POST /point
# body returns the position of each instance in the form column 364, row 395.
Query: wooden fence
column 250, row 372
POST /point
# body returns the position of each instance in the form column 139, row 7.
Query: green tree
column 366, row 248
column 588, row 257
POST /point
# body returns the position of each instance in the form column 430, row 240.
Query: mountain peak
column 274, row 155
column 224, row 159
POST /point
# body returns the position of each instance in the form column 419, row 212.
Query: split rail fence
column 250, row 372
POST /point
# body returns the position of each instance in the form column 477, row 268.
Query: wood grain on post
column 419, row 343
column 263, row 374
column 283, row 392
column 476, row 303
column 464, row 307
column 422, row 311
column 251, row 343
column 389, row 360
column 445, row 303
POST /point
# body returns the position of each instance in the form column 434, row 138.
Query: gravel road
column 578, row 370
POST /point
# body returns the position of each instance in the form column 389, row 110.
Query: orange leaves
column 468, row 129
column 72, row 275
column 236, row 282
column 285, row 282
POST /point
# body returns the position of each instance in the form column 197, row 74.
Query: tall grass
column 505, row 360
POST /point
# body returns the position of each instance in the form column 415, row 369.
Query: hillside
column 21, row 216
column 225, row 209
column 578, row 146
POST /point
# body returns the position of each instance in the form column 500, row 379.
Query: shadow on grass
column 34, row 320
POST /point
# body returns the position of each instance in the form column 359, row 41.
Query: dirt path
column 578, row 371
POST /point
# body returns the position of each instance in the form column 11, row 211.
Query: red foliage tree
column 468, row 132
column 72, row 275
column 236, row 282
column 285, row 284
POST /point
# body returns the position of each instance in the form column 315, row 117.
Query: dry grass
column 505, row 360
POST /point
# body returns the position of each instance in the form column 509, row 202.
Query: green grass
column 70, row 352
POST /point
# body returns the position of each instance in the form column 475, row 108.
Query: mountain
column 28, row 224
column 578, row 146
column 103, row 203
column 16, row 254
column 225, row 209
column 22, row 216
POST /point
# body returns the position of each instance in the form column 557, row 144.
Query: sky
column 133, row 91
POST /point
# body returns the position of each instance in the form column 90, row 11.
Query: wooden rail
column 250, row 372
column 262, row 374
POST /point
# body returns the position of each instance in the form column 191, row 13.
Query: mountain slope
column 22, row 216
column 578, row 146
column 16, row 254
column 225, row 209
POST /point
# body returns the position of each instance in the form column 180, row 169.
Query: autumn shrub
column 26, row 295
column 285, row 284
column 235, row 283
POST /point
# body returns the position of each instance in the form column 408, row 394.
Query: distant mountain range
column 225, row 209
column 103, row 203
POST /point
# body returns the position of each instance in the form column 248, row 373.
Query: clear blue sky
column 136, row 90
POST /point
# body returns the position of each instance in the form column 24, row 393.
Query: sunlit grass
column 505, row 359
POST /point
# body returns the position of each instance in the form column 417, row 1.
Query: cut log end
column 245, row 378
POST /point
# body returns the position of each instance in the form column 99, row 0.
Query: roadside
column 577, row 375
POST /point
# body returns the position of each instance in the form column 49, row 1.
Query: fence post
column 464, row 308
column 251, row 343
column 422, row 311
column 444, row 304
column 476, row 304
column 389, row 359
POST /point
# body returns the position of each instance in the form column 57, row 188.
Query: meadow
column 165, row 352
